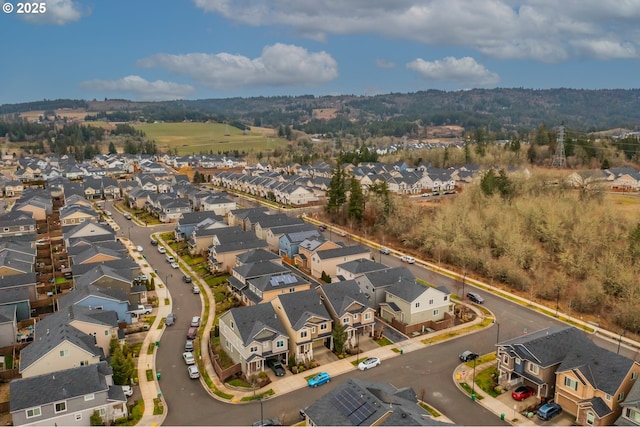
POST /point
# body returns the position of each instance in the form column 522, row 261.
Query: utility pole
column 559, row 158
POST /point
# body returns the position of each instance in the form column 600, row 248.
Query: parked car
column 474, row 297
column 108, row 213
column 195, row 289
column 368, row 363
column 523, row 392
column 143, row 277
column 154, row 242
column 170, row 320
column 127, row 216
column 128, row 391
column 408, row 259
column 267, row 422
column 170, row 259
column 188, row 358
column 276, row 367
column 175, row 265
column 385, row 251
column 191, row 333
column 342, row 233
column 186, row 279
column 195, row 321
column 193, row 372
column 188, row 345
column 319, row 379
column 162, row 250
column 468, row 356
column 548, row 411
column 139, row 248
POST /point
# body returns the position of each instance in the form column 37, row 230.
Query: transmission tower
column 559, row 159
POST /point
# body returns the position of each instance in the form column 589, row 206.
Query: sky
column 195, row 49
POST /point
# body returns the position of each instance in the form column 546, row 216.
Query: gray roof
column 255, row 255
column 260, row 268
column 276, row 281
column 101, row 270
column 361, row 266
column 604, row 369
column 7, row 313
column 95, row 250
column 17, row 261
column 344, row 251
column 49, row 333
column 546, row 347
column 61, row 385
column 298, row 236
column 386, row 277
column 253, row 321
column 244, row 245
column 193, row 218
column 378, row 403
column 408, row 289
column 122, row 265
column 302, row 306
column 17, row 280
column 81, row 292
column 342, row 295
column 14, row 295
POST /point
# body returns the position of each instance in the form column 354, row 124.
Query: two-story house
column 307, row 322
column 77, row 214
column 353, row 269
column 326, row 261
column 252, row 335
column 67, row 397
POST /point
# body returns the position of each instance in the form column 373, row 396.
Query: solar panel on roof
column 353, row 406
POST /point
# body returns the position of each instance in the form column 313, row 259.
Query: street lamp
column 357, row 346
column 557, row 299
column 473, row 384
column 166, row 279
column 620, row 340
column 464, row 278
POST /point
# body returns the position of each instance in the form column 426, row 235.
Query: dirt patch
column 325, row 113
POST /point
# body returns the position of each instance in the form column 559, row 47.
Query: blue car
column 319, row 379
column 548, row 411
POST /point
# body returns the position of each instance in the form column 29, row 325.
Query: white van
column 170, row 259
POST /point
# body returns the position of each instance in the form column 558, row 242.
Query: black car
column 276, row 367
column 186, row 279
column 154, row 242
column 468, row 356
column 474, row 297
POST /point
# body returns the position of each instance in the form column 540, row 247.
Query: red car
column 523, row 392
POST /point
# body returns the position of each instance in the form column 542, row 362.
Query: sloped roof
column 342, row 295
column 302, row 306
column 256, row 319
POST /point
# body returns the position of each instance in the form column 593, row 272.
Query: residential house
column 275, row 233
column 219, row 204
column 357, row 402
column 98, row 298
column 13, row 188
column 202, row 237
column 263, row 225
column 77, row 214
column 223, row 253
column 107, row 278
column 375, row 284
column 93, row 188
column 307, row 322
column 237, row 217
column 308, row 247
column 17, row 223
column 257, row 255
column 87, row 233
column 353, row 269
column 110, row 188
column 252, row 335
column 326, row 261
column 413, row 308
column 171, row 210
column 630, row 408
column 261, row 281
column 17, row 291
column 68, row 397
column 190, row 220
column 99, row 252
column 348, row 307
column 39, row 205
column 15, row 262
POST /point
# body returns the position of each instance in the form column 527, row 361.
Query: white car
column 162, row 250
column 196, row 289
column 175, row 265
column 369, row 363
column 188, row 358
column 139, row 248
column 193, row 372
column 128, row 391
column 407, row 258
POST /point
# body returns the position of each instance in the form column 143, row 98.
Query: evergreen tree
column 356, row 200
column 337, row 191
column 339, row 338
column 112, row 148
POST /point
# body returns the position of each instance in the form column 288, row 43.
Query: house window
column 632, row 415
column 33, row 412
column 102, row 411
column 6, row 229
column 621, row 397
column 231, row 324
column 60, row 406
column 607, row 397
column 571, row 383
column 106, row 332
column 346, row 320
column 634, row 375
column 228, row 345
column 417, row 304
column 436, row 312
column 292, row 289
column 533, row 368
column 446, row 297
column 303, row 334
column 64, row 353
column 323, row 327
column 505, row 359
column 430, row 302
column 590, row 418
column 367, row 316
column 78, row 416
column 279, row 343
column 313, row 329
column 88, row 397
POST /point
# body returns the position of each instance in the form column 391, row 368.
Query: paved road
column 428, row 371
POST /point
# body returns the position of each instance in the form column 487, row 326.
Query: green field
column 193, row 138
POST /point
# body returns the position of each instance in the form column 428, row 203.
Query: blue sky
column 195, row 49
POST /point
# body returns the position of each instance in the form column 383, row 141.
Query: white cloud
column 58, row 12
column 543, row 30
column 464, row 71
column 142, row 89
column 279, row 65
column 385, row 65
column 605, row 49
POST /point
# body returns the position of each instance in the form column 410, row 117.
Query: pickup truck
column 142, row 309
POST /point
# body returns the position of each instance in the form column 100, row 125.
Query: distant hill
column 497, row 109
